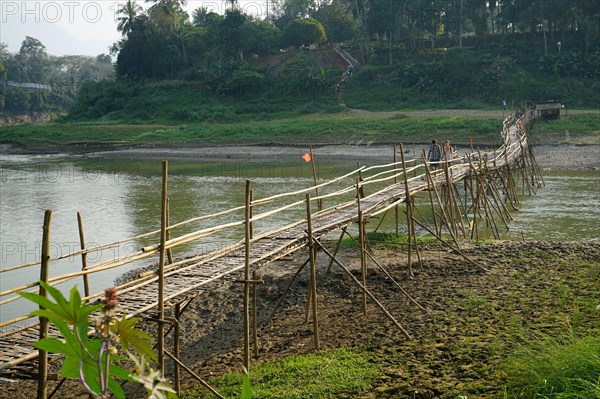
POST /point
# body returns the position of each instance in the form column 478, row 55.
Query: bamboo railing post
column 86, row 284
column 313, row 273
column 314, row 172
column 395, row 182
column 42, row 391
column 408, row 212
column 168, row 223
column 161, row 269
column 363, row 259
column 251, row 214
column 246, row 279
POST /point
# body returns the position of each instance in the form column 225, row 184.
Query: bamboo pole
column 444, row 218
column 86, row 284
column 285, row 291
column 429, row 190
column 313, row 272
column 161, row 269
column 372, row 257
column 246, row 279
column 408, row 213
column 456, row 250
column 254, row 315
column 385, row 311
column 395, row 182
column 176, row 374
column 337, row 248
column 363, row 260
column 169, row 250
column 314, row 172
column 42, row 391
column 196, row 376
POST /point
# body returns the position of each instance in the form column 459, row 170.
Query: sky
column 72, row 27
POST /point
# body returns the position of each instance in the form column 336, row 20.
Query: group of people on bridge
column 438, row 154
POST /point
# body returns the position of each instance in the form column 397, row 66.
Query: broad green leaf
column 88, row 309
column 57, row 295
column 36, row 298
column 76, row 305
column 90, row 372
column 116, row 389
column 45, row 303
column 70, row 367
column 55, row 319
column 138, row 339
column 53, row 345
column 119, row 372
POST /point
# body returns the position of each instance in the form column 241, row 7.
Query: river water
column 120, row 198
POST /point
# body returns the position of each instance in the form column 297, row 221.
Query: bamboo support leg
column 456, row 250
column 246, row 280
column 254, row 316
column 86, row 283
column 176, row 375
column 42, row 390
column 161, row 270
column 387, row 313
column 372, row 257
column 186, row 368
column 313, row 272
column 285, row 291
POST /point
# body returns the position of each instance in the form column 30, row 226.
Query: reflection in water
column 120, row 198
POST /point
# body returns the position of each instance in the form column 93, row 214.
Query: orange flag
column 307, row 157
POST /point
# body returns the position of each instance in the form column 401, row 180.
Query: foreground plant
column 90, row 357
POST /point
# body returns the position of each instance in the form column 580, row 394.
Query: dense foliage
column 455, row 52
column 31, row 81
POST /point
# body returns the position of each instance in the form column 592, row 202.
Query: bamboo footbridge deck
column 182, row 280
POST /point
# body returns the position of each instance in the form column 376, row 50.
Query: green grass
column 346, row 128
column 555, row 367
column 325, row 374
column 572, row 129
column 388, row 240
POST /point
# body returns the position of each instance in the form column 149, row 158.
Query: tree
column 304, row 31
column 128, row 12
column 337, row 21
column 32, row 61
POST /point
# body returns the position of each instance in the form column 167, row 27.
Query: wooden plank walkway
column 203, row 276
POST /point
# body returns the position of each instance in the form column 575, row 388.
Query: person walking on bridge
column 447, row 153
column 434, row 155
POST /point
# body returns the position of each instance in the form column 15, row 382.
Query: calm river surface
column 120, row 198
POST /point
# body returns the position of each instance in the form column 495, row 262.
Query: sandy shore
column 549, row 157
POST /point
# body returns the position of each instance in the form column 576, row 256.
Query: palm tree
column 127, row 14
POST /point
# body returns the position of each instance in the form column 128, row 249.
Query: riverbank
column 472, row 319
column 549, row 157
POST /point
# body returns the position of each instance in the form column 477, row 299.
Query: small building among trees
column 548, row 110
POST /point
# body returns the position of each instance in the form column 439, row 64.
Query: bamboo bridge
column 491, row 185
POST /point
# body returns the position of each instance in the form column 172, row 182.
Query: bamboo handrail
column 303, row 191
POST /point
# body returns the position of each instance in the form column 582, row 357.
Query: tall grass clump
column 548, row 367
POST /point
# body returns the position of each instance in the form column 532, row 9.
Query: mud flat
column 472, row 319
